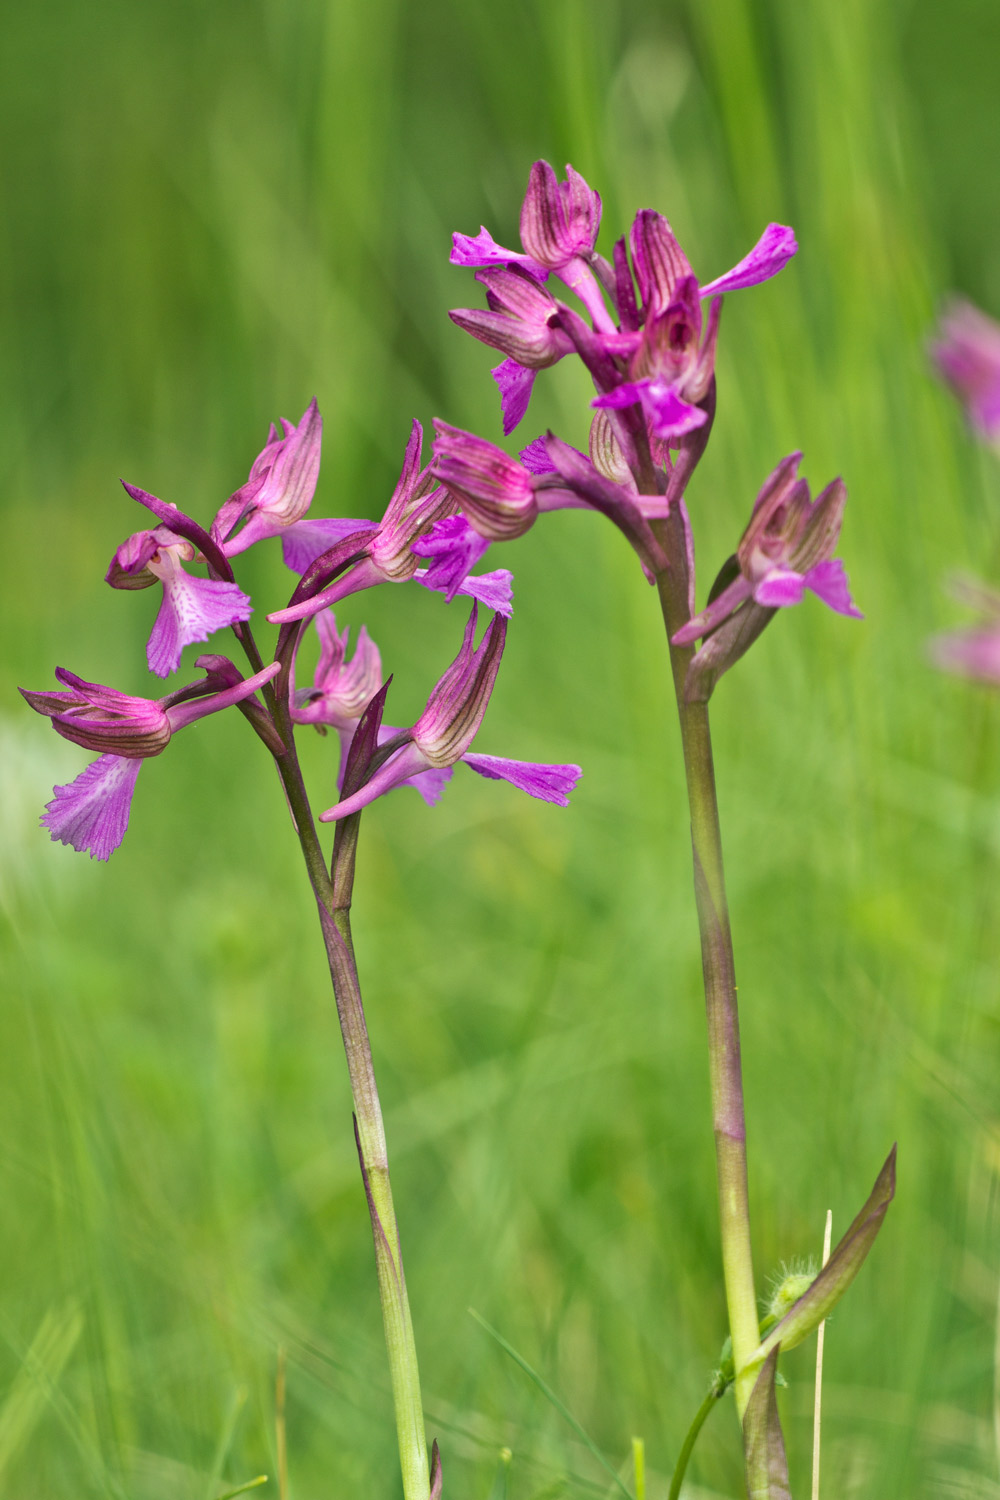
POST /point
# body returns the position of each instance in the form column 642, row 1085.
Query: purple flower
column 974, row 651
column 277, row 494
column 341, row 691
column 445, row 730
column 673, row 360
column 559, row 224
column 389, row 552
column 91, row 813
column 192, row 608
column 967, row 353
column 787, row 548
column 520, row 318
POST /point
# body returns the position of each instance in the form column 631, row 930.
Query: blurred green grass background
column 215, row 211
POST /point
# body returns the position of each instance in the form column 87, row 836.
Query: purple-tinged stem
column 718, row 968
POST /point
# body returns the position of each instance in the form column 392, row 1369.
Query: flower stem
column 717, row 967
column 684, row 1457
column 333, row 891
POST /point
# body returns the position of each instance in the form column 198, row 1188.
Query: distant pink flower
column 975, row 650
column 967, row 353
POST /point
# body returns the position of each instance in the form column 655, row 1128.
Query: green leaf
column 763, row 1444
column 840, row 1270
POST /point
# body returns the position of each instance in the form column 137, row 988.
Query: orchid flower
column 662, row 353
column 277, row 494
column 92, row 812
column 501, row 497
column 967, row 352
column 673, row 362
column 387, row 553
column 192, row 608
column 445, row 730
column 787, row 548
column 342, row 690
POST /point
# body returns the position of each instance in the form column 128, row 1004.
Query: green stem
column 333, row 893
column 718, row 970
column 684, row 1456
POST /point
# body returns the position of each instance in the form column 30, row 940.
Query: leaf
column 436, row 1476
column 364, row 742
column 550, row 1394
column 822, row 1296
column 763, row 1444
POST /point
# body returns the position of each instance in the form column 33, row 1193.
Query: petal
column 669, row 415
column 91, row 813
column 770, row 255
column 780, row 587
column 549, row 783
column 483, row 250
column 192, row 609
column 515, row 384
column 828, row 580
column 304, row 541
column 535, row 457
column 454, row 549
column 430, row 784
column 495, row 590
column 658, row 259
column 408, row 763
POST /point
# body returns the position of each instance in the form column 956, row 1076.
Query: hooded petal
column 558, row 219
column 92, row 812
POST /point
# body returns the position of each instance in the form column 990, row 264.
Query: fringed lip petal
column 192, row 610
column 549, row 783
column 515, row 383
column 91, row 813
